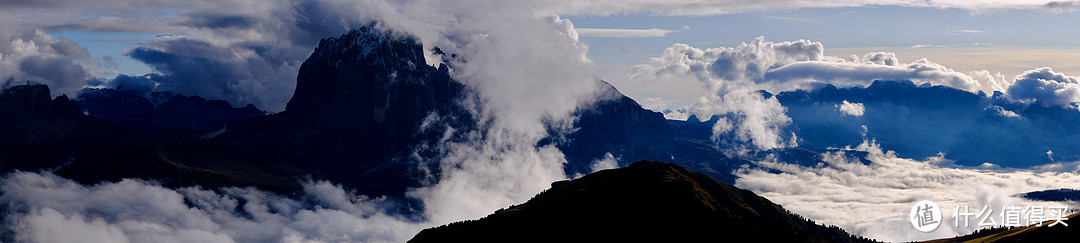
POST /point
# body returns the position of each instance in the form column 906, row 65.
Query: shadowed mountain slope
column 647, row 201
column 1032, row 233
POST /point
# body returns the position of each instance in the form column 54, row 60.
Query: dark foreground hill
column 1031, row 233
column 644, row 202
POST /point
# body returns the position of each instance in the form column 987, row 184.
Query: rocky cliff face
column 356, row 113
column 620, row 126
column 29, row 114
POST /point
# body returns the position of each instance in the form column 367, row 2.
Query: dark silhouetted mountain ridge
column 644, row 202
column 1068, row 232
column 41, row 133
column 921, row 121
column 161, row 110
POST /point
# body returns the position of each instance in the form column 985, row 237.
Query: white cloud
column 604, row 163
column 48, row 225
column 624, row 33
column 46, row 208
column 32, row 55
column 784, row 66
column 518, row 102
column 928, row 46
column 750, row 119
column 733, row 76
column 847, row 74
column 691, row 7
column 851, row 109
column 1002, row 112
column 872, row 199
column 1046, row 86
column 673, row 109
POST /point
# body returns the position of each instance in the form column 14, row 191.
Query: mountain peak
column 364, row 61
column 374, row 44
column 29, row 114
column 356, row 113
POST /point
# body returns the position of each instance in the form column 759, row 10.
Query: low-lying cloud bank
column 871, row 195
column 42, row 207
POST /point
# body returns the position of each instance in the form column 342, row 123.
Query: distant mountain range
column 643, row 202
column 41, row 133
column 921, row 121
column 145, row 110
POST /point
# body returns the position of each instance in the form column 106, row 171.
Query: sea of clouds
column 529, row 71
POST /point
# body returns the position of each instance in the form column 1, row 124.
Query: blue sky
column 113, row 45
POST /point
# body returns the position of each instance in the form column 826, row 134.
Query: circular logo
column 925, row 216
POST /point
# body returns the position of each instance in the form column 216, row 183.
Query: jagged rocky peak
column 370, row 43
column 34, row 102
column 369, row 68
column 29, row 114
column 354, row 117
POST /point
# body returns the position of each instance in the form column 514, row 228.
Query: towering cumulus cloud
column 784, row 66
column 735, row 74
column 1046, row 86
column 520, row 95
column 31, row 55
